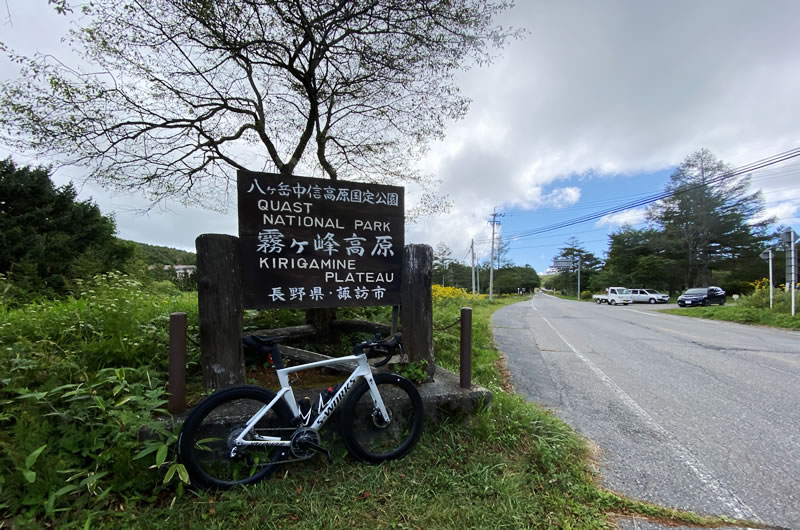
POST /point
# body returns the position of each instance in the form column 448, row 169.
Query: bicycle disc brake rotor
column 377, row 418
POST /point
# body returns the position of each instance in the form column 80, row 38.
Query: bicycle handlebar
column 384, row 348
column 269, row 345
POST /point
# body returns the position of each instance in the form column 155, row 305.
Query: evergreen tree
column 567, row 281
column 47, row 237
column 707, row 221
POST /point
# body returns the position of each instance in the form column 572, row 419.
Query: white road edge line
column 723, row 494
column 648, row 313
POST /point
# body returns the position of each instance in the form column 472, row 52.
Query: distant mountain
column 155, row 255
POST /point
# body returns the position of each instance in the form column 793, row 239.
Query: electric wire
column 649, row 199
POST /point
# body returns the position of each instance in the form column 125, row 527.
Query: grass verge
column 514, row 465
column 742, row 315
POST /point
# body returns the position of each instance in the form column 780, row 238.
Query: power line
column 753, row 166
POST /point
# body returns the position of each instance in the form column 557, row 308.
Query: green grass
column 742, row 315
column 513, row 465
column 751, row 309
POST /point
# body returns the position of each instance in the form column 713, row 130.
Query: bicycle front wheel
column 206, row 443
column 366, row 435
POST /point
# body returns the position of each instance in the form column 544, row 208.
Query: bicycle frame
column 362, row 369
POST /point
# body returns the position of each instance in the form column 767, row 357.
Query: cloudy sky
column 593, row 109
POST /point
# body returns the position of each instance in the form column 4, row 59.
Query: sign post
column 567, row 264
column 767, row 255
column 789, row 238
column 317, row 243
column 563, row 263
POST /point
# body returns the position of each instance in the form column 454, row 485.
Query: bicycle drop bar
column 266, row 345
column 380, row 347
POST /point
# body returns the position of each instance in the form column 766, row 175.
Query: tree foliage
column 183, row 92
column 502, row 251
column 709, row 220
column 158, row 255
column 590, row 265
column 510, row 279
column 48, row 237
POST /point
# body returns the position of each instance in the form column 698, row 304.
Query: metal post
column 794, row 270
column 771, row 295
column 472, row 249
column 466, row 348
column 579, row 278
column 177, row 363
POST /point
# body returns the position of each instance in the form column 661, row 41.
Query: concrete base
column 444, row 397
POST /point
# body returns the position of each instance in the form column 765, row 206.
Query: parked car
column 702, row 296
column 614, row 296
column 649, row 296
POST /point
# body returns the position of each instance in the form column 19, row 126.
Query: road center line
column 722, row 493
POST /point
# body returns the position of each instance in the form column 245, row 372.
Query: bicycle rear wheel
column 366, row 435
column 207, row 437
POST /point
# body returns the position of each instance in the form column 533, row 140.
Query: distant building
column 182, row 271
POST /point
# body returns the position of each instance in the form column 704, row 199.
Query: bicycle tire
column 365, row 435
column 206, row 438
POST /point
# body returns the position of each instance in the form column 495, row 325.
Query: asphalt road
column 695, row 414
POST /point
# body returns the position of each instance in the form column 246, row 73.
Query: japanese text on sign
column 316, row 243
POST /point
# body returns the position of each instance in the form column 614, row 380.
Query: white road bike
column 242, row 434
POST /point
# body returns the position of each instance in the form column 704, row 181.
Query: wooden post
column 177, row 363
column 466, row 348
column 395, row 318
column 219, row 304
column 416, row 310
column 322, row 319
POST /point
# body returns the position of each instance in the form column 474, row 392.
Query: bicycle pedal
column 318, row 448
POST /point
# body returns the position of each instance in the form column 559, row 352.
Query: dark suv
column 702, row 296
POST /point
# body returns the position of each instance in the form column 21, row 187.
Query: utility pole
column 478, row 276
column 794, row 269
column 494, row 222
column 472, row 250
column 789, row 238
column 579, row 277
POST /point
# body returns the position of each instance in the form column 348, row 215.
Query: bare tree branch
column 183, row 92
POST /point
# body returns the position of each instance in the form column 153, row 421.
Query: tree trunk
column 416, row 311
column 322, row 319
column 219, row 305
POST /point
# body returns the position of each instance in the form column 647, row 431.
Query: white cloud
column 628, row 217
column 562, row 197
column 597, row 89
column 623, row 88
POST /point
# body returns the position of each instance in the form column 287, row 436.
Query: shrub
column 440, row 293
column 71, row 428
column 75, row 445
column 740, row 287
column 759, row 299
column 109, row 321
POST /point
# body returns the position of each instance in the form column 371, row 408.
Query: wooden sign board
column 309, row 242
